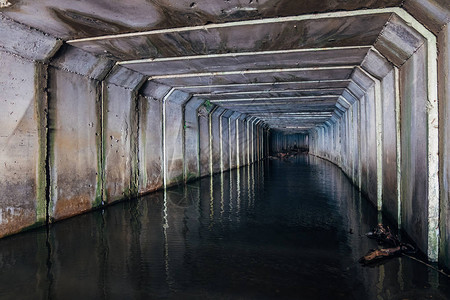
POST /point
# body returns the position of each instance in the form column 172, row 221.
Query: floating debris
column 384, row 237
column 290, row 153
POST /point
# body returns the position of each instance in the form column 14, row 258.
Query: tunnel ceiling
column 294, row 64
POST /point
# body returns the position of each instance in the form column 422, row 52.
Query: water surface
column 291, row 229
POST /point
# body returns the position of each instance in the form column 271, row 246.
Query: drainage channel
column 281, row 228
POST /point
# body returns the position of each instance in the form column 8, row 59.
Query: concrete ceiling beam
column 244, row 36
column 154, row 90
column 398, row 41
column 376, row 64
column 276, row 86
column 287, row 99
column 26, row 42
column 264, row 76
column 78, row 61
column 267, row 93
column 434, row 14
column 124, row 77
column 300, row 58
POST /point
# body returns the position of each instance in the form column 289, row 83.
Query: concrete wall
column 22, row 140
column 151, row 172
column 216, row 139
column 110, row 135
column 192, row 139
column 120, row 134
column 444, row 138
column 174, row 136
column 74, row 140
column 389, row 133
column 414, row 183
column 205, row 149
column 389, row 139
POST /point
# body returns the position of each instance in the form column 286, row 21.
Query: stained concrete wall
column 204, row 140
column 22, row 140
column 389, row 148
column 444, row 138
column 365, row 143
column 413, row 92
column 108, row 134
column 74, row 141
column 226, row 140
column 192, row 139
column 233, row 137
column 151, row 171
column 120, row 134
column 216, row 139
column 174, row 136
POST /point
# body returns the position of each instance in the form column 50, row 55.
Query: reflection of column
column 238, row 194
column 222, row 205
column 231, row 195
column 166, row 240
column 177, row 205
column 211, row 201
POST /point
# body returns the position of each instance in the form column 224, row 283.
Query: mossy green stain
column 143, row 118
column 100, row 146
column 190, row 176
column 41, row 116
column 208, row 105
column 51, row 137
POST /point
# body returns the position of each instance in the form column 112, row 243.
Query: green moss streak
column 100, row 147
column 41, row 116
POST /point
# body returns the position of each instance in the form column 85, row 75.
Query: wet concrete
column 279, row 229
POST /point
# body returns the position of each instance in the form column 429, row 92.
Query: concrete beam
column 261, row 76
column 434, row 14
column 271, row 86
column 376, row 65
column 278, row 59
column 80, row 62
column 26, row 42
column 398, row 40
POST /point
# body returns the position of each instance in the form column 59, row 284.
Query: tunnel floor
column 284, row 229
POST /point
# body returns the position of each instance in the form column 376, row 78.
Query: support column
column 192, row 139
column 234, row 140
column 151, row 173
column 173, row 136
column 23, row 134
column 120, row 129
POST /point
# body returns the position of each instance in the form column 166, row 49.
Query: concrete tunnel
column 106, row 100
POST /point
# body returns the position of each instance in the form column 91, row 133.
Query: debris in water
column 385, row 237
column 290, row 153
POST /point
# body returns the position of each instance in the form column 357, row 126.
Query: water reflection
column 276, row 229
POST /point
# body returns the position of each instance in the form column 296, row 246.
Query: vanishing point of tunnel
column 256, row 143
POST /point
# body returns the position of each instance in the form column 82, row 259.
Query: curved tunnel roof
column 292, row 64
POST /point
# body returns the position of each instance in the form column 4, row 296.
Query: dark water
column 274, row 230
